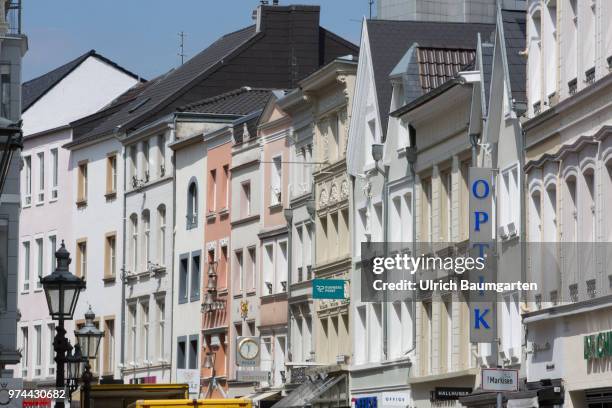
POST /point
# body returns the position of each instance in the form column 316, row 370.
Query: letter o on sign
column 481, row 192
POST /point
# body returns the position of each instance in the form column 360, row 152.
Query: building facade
column 13, row 46
column 50, row 208
column 567, row 190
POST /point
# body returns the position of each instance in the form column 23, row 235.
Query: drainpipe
column 289, row 217
column 123, row 276
column 172, row 138
column 411, row 157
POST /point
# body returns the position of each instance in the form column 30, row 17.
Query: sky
column 142, row 35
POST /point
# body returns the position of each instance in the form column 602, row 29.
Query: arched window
column 570, row 206
column 192, row 205
column 550, row 214
column 607, row 206
column 588, row 209
column 161, row 239
column 535, row 217
column 146, row 244
column 134, row 243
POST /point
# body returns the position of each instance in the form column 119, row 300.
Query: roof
column 167, row 84
column 249, row 56
column 487, row 70
column 34, row 89
column 389, row 41
column 438, row 65
column 515, row 37
column 240, row 101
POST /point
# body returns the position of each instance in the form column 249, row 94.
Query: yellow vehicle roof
column 209, row 403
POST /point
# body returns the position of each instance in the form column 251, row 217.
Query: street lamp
column 88, row 340
column 62, row 290
column 210, row 299
column 74, row 364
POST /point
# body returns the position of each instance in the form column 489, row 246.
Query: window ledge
column 223, row 211
column 109, row 279
column 211, row 215
column 26, row 206
column 81, row 203
column 52, row 200
column 111, row 195
column 39, row 203
column 276, row 206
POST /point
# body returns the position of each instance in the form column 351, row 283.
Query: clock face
column 248, row 349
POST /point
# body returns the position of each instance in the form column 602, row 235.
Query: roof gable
column 36, row 88
column 390, row 40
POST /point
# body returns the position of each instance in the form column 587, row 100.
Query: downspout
column 385, row 190
column 172, row 137
column 123, row 277
column 411, row 158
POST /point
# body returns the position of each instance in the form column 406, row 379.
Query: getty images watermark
column 547, row 274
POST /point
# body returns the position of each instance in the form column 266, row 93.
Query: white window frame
column 54, row 164
column 40, row 197
column 27, row 164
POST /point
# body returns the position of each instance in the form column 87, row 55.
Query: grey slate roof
column 244, row 57
column 515, row 36
column 169, row 83
column 241, row 101
column 389, row 41
column 34, row 89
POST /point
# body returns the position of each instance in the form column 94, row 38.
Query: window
column 426, row 211
column 109, row 347
column 39, row 261
column 82, row 183
column 110, row 256
column 50, row 350
column 26, row 266
column 245, row 202
column 52, row 249
column 25, row 352
column 144, row 346
column 181, row 352
column 82, row 258
column 588, row 212
column 134, row 241
column 299, row 257
column 145, row 161
column 183, row 276
column 133, row 165
column 375, row 337
column 534, row 70
column 5, row 97
column 27, row 165
column 161, row 215
column 192, row 206
column 268, row 270
column 161, row 326
column 212, row 190
column 370, row 139
column 132, row 333
column 38, row 355
column 550, row 49
column 146, row 245
column 252, row 277
column 281, row 267
column 161, row 142
column 41, row 177
column 193, row 352
column 54, row 173
column 238, row 271
column 195, row 278
column 446, row 206
column 226, row 187
column 276, row 181
column 361, row 345
column 111, row 174
column 509, row 197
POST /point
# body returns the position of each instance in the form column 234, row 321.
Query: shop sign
column 499, row 379
column 450, row 393
column 598, row 345
column 328, row 289
column 395, row 399
column 252, row 376
column 190, row 377
column 365, row 402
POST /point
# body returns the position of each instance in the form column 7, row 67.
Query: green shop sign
column 328, row 289
column 598, row 345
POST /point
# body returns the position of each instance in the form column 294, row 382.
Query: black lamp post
column 74, row 364
column 62, row 290
column 88, row 340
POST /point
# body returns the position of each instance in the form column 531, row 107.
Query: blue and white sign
column 482, row 319
column 328, row 289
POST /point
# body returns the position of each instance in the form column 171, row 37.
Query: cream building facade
column 569, row 184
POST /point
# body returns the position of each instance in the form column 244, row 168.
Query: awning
column 263, row 396
column 523, row 403
column 310, row 392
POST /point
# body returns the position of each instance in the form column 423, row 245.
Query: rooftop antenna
column 371, row 3
column 182, row 47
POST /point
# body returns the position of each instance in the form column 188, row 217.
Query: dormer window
column 192, row 205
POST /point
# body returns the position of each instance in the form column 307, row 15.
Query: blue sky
column 142, row 35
